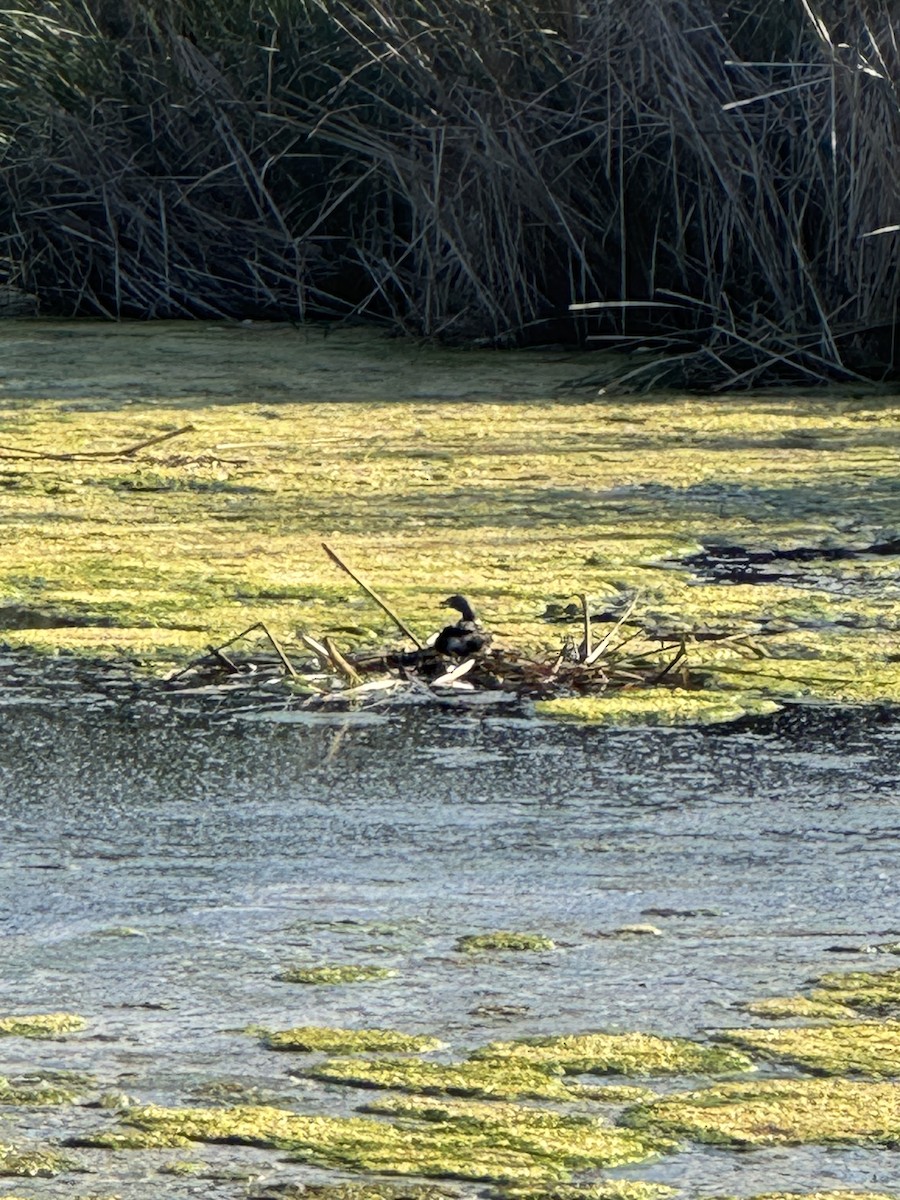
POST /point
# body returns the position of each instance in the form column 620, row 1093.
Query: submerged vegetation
column 335, row 157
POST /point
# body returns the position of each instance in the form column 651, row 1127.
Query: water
column 158, row 870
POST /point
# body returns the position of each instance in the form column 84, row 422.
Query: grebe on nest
column 466, row 636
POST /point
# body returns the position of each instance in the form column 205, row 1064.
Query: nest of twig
column 322, row 674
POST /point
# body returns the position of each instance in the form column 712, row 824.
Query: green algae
column 608, row 1189
column 657, row 706
column 500, row 1143
column 838, row 995
column 41, row 1025
column 515, row 497
column 377, row 1190
column 616, row 1054
column 34, row 1164
column 867, row 991
column 492, row 1080
column 479, row 943
column 869, row 1048
column 335, row 974
column 323, row 1038
column 39, row 1090
column 791, row 1007
column 777, row 1112
column 183, row 1167
column 840, row 1194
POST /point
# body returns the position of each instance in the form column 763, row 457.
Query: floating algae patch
column 862, row 1048
column 32, row 1164
column 353, row 1191
column 50, row 1089
column 777, row 1112
column 580, row 1141
column 868, row 991
column 609, row 1189
column 479, row 943
column 501, row 1080
column 332, row 975
column 41, row 1025
column 840, row 1194
column 350, row 1041
column 657, row 706
column 508, row 1143
column 795, row 1007
column 616, row 1054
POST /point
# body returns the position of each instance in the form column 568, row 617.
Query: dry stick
column 373, row 595
column 126, row 452
column 288, row 666
column 682, row 651
column 586, row 609
column 626, row 613
column 340, row 664
column 217, row 650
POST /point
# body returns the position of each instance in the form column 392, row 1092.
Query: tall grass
column 468, row 168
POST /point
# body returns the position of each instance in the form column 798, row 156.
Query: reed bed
column 708, row 185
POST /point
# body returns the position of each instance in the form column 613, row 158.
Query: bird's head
column 460, row 603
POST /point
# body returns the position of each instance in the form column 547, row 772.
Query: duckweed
column 777, row 1112
column 350, row 1041
column 41, row 1025
column 331, row 975
column 507, row 1144
column 617, row 1054
column 861, row 1048
column 478, row 943
column 492, row 1080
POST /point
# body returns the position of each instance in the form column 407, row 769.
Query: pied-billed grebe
column 466, row 636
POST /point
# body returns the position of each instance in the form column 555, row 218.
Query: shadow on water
column 158, row 871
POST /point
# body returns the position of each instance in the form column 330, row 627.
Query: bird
column 466, row 636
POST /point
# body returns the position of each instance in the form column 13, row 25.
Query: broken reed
column 468, row 169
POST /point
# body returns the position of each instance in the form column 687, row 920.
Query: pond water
column 159, row 869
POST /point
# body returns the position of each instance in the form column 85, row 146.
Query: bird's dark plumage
column 466, row 636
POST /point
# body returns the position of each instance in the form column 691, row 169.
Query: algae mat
column 433, row 471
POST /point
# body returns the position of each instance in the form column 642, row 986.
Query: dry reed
column 468, row 170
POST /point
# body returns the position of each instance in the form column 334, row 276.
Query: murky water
column 158, row 871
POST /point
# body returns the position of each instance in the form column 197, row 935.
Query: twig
column 340, row 664
column 373, row 595
column 604, row 642
column 278, row 650
column 77, row 455
column 586, row 645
